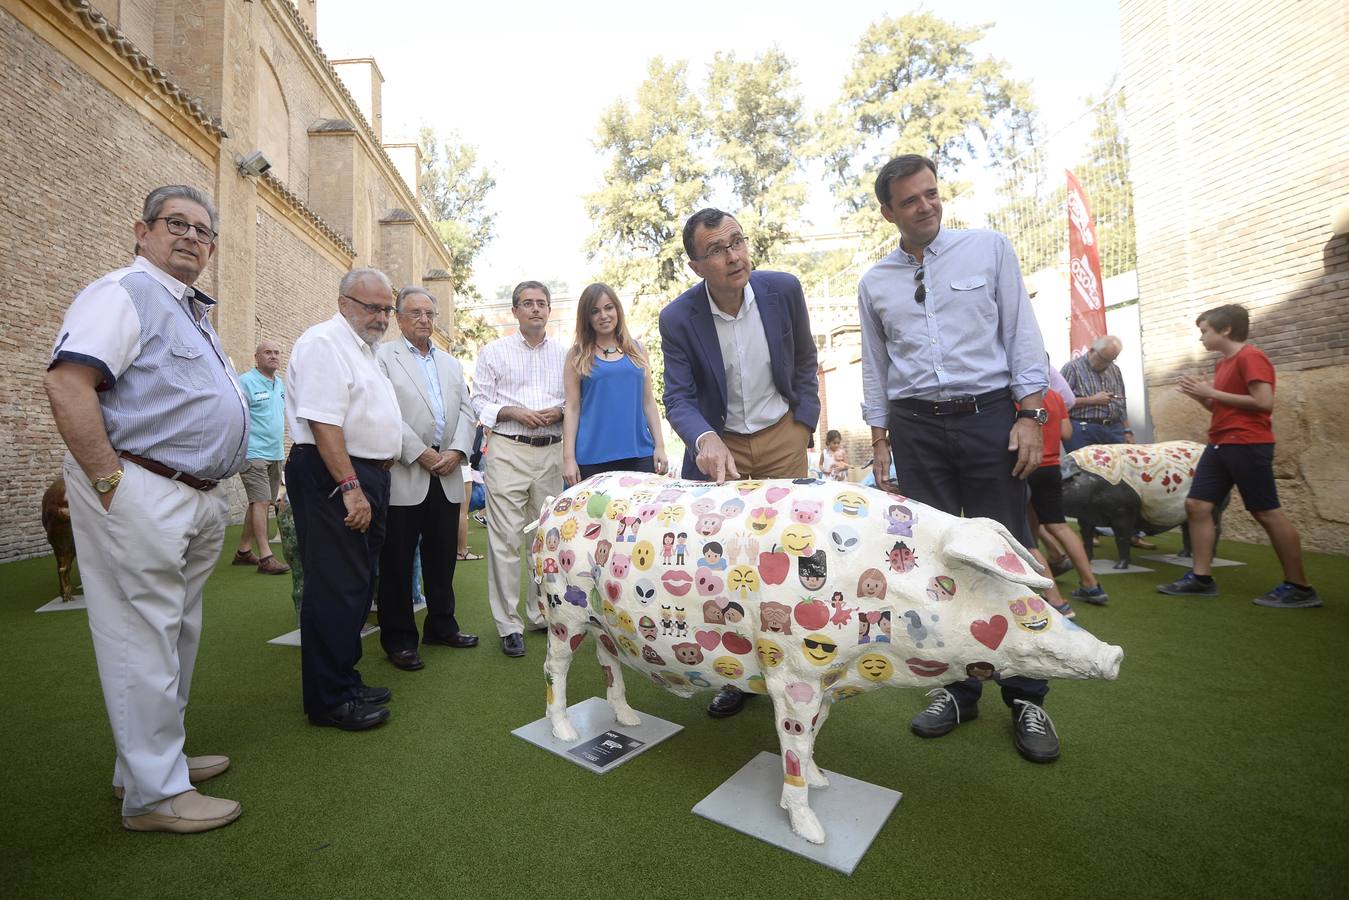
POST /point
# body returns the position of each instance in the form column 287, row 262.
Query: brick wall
column 1237, row 118
column 74, row 179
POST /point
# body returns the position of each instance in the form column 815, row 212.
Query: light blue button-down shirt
column 428, row 364
column 975, row 332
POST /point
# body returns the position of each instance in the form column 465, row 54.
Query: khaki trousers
column 778, row 451
column 518, row 479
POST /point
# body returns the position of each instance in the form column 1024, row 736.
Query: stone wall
column 1237, row 121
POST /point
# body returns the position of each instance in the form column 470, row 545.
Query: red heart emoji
column 989, row 633
column 613, row 589
column 707, row 639
column 1011, row 562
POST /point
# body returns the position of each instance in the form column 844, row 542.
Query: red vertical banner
column 1087, row 306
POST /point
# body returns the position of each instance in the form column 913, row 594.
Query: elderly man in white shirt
column 518, row 393
column 343, row 416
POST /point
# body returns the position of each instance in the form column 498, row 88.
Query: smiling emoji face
column 875, row 667
column 761, row 519
column 770, row 654
column 728, row 667
column 851, row 503
column 798, row 540
column 819, row 649
column 748, row 487
column 1031, row 613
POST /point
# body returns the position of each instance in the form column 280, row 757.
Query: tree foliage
column 454, row 187
column 1105, row 174
column 916, row 86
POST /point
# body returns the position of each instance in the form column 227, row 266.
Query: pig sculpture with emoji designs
column 761, row 628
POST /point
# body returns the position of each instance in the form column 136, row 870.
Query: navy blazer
column 695, row 375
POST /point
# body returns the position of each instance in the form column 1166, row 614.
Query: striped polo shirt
column 166, row 389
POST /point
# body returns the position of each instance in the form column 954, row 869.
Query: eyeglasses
column 178, row 227
column 532, row 304
column 427, row 314
column 920, row 293
column 717, row 250
column 371, row 307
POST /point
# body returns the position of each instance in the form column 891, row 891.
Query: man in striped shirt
column 154, row 419
column 518, row 394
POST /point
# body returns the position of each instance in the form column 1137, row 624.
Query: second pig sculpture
column 807, row 591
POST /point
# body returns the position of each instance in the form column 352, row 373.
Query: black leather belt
column 545, row 441
column 954, row 407
column 149, row 465
column 1106, row 422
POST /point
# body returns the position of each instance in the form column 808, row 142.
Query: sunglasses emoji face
column 819, row 650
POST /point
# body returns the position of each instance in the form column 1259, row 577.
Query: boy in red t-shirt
column 1241, row 453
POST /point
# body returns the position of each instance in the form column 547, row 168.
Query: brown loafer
column 270, row 565
column 187, row 813
column 244, row 558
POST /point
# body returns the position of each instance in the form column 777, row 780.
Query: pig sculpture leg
column 796, row 707
column 555, row 674
column 615, row 692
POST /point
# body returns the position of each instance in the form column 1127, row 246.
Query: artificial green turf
column 1215, row 767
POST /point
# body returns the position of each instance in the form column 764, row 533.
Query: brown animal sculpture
column 56, row 522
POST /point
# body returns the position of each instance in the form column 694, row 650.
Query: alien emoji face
column 770, row 654
column 875, row 667
column 798, row 540
column 1031, row 613
column 644, row 591
column 819, row 649
column 688, row 653
column 844, row 538
column 643, row 554
column 728, row 667
column 761, row 519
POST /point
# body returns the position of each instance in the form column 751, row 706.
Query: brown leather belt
column 159, row 468
column 544, row 441
column 953, row 407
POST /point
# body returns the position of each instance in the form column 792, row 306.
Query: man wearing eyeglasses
column 154, row 419
column 950, row 349
column 518, row 393
column 426, row 488
column 343, row 417
column 741, row 383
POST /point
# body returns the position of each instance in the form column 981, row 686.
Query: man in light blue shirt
column 950, row 349
column 266, row 396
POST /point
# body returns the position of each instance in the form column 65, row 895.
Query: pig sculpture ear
column 989, row 547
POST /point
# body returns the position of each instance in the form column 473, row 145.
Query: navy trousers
column 339, row 571
column 960, row 464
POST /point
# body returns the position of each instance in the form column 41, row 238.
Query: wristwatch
column 1041, row 415
column 107, row 483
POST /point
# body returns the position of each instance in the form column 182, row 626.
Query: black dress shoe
column 513, row 644
column 352, row 716
column 374, row 695
column 727, row 703
column 407, row 660
column 459, row 640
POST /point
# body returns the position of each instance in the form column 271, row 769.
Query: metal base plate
column 292, row 638
column 1185, row 562
column 1107, row 567
column 852, row 812
column 57, row 604
column 604, row 745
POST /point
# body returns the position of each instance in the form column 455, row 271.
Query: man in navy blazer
column 741, row 381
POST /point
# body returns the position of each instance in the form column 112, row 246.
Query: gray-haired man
column 154, row 419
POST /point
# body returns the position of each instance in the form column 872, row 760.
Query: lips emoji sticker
column 677, row 582
column 592, row 531
column 928, row 668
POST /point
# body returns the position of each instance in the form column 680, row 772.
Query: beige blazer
column 409, row 481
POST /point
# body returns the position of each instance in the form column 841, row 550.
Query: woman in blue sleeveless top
column 610, row 422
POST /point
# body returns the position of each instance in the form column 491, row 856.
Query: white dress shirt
column 334, row 379
column 512, row 373
column 753, row 402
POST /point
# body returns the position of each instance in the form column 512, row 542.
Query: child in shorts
column 1240, row 452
